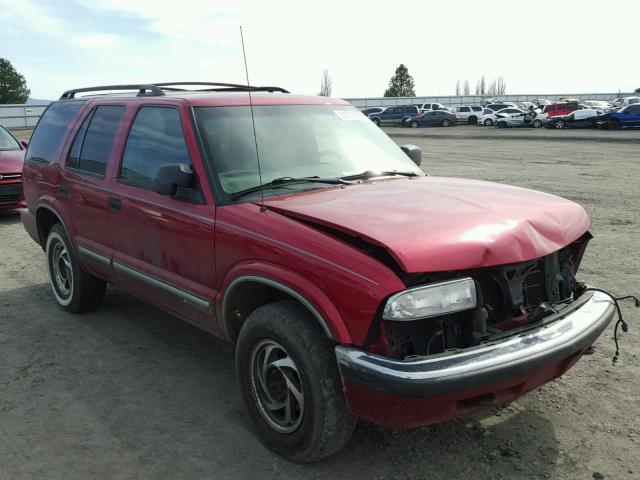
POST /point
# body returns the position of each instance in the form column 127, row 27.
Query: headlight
column 432, row 300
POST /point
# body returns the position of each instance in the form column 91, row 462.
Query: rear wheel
column 614, row 124
column 290, row 383
column 488, row 122
column 560, row 124
column 472, row 120
column 446, row 123
column 74, row 289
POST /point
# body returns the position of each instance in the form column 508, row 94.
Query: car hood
column 11, row 161
column 430, row 224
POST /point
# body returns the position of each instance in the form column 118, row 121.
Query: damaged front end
column 508, row 298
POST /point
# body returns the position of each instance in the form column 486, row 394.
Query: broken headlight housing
column 432, row 300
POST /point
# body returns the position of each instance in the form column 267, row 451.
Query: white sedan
column 489, row 117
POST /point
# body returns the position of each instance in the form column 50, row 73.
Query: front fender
column 291, row 283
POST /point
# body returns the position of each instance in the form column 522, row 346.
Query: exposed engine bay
column 509, row 298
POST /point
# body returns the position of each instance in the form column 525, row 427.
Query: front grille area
column 534, row 289
column 10, row 193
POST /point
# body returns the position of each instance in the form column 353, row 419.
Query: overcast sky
column 538, row 46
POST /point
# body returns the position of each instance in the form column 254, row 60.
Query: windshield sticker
column 350, row 115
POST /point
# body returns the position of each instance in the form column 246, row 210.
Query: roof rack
column 234, row 87
column 144, row 90
column 156, row 89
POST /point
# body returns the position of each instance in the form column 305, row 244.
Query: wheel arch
column 47, row 217
column 249, row 291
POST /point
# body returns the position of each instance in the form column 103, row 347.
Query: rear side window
column 156, row 139
column 92, row 145
column 50, row 130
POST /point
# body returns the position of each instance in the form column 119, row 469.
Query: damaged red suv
column 352, row 284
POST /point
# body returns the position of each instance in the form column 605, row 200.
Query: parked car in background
column 425, row 107
column 629, row 101
column 628, row 116
column 352, row 284
column 521, row 118
column 11, row 161
column 541, row 102
column 598, row 104
column 489, row 119
column 616, row 102
column 562, row 108
column 499, row 106
column 434, row 118
column 371, row 110
column 583, row 118
column 395, row 116
column 468, row 113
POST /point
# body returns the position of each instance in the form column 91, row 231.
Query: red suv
column 556, row 109
column 352, row 284
column 11, row 158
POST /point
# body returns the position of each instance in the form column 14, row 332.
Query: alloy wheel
column 276, row 386
column 62, row 273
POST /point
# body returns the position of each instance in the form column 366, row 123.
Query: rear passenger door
column 163, row 245
column 84, row 187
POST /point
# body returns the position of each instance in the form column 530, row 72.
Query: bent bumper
column 541, row 354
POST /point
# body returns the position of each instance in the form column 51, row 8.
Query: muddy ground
column 130, row 392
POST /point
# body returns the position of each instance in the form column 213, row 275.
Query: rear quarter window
column 50, row 131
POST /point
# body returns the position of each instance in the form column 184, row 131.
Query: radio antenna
column 253, row 123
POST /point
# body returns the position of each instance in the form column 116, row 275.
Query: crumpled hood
column 11, row 161
column 431, row 224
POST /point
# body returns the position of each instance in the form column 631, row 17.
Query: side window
column 390, row 111
column 50, row 130
column 156, row 139
column 96, row 140
column 74, row 154
column 572, row 106
column 465, row 109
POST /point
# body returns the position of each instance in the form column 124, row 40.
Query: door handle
column 115, row 204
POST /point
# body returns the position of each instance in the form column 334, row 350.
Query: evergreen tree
column 401, row 84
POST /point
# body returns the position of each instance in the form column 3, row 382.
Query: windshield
column 297, row 141
column 7, row 142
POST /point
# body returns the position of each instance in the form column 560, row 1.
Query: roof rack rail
column 144, row 90
column 234, row 87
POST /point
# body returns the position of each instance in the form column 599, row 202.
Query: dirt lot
column 130, row 392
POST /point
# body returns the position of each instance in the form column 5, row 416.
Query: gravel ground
column 130, row 392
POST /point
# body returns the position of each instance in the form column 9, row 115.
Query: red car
column 11, row 158
column 564, row 108
column 353, row 285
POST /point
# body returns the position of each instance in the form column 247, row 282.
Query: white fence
column 477, row 99
column 20, row 116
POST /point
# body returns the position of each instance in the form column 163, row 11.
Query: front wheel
column 614, row 124
column 446, row 123
column 501, row 125
column 290, row 383
column 488, row 122
column 560, row 124
column 473, row 120
column 537, row 124
column 413, row 124
column 74, row 289
column 376, row 121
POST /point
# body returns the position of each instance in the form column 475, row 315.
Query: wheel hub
column 276, row 386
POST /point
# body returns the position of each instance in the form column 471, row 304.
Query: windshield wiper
column 282, row 181
column 371, row 174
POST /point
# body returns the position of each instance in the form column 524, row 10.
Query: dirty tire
column 473, row 120
column 446, row 123
column 413, row 124
column 488, row 122
column 74, row 289
column 537, row 124
column 326, row 423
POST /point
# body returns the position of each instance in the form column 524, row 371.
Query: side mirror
column 413, row 152
column 172, row 176
column 24, row 143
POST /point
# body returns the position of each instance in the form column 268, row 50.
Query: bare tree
column 458, row 88
column 497, row 87
column 467, row 89
column 325, row 84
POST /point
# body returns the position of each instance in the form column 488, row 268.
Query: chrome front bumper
column 490, row 363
